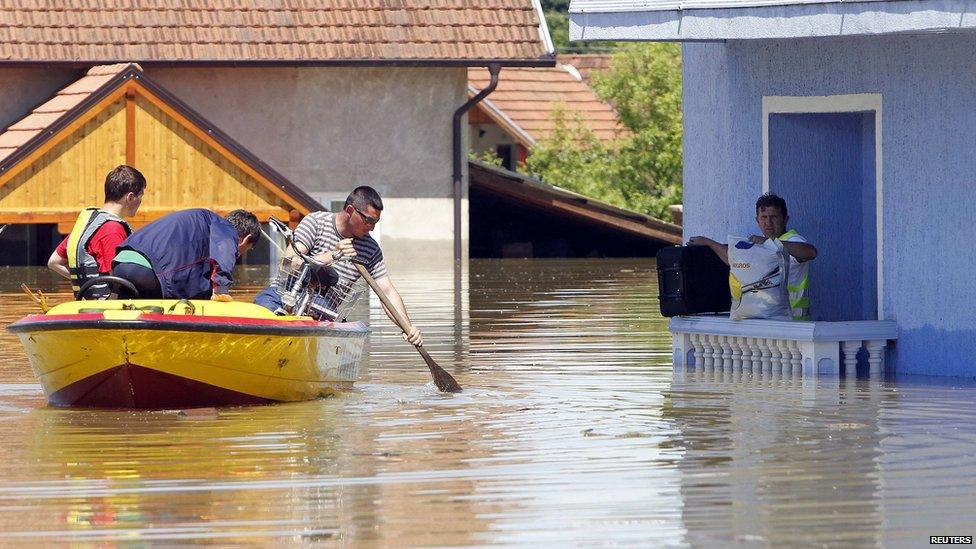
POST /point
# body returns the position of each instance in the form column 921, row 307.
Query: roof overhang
column 562, row 202
column 719, row 20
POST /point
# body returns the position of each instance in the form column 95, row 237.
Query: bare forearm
column 394, row 297
column 410, row 332
column 801, row 251
column 59, row 265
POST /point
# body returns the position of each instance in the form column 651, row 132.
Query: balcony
column 788, row 347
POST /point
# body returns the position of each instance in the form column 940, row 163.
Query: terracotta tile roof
column 48, row 113
column 527, row 96
column 100, row 31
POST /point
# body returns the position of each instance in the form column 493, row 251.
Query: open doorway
column 825, row 162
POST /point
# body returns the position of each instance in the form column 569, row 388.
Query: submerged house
column 520, row 111
column 54, row 160
column 327, row 95
column 513, row 214
column 859, row 113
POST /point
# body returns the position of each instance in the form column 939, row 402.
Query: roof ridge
column 113, row 68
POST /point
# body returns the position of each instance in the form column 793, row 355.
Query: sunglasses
column 369, row 220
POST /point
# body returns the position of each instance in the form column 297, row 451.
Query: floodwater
column 572, row 429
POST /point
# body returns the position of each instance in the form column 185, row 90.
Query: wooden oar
column 444, row 381
column 39, row 298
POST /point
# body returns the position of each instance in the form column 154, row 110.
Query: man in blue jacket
column 188, row 254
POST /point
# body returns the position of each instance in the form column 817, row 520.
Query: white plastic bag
column 758, row 275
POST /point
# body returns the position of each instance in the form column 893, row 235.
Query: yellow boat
column 153, row 354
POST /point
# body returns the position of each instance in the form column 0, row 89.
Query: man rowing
column 330, row 237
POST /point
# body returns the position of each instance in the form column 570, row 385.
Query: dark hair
column 771, row 199
column 123, row 180
column 246, row 224
column 364, row 196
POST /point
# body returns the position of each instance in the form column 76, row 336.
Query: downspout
column 459, row 154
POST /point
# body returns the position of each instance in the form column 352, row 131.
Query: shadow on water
column 572, row 429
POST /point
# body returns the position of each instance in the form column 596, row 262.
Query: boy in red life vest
column 89, row 249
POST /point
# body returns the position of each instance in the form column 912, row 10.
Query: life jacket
column 799, row 301
column 82, row 265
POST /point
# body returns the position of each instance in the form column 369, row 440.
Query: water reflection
column 573, row 429
column 767, row 458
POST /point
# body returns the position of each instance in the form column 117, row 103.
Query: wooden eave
column 130, row 81
column 525, row 190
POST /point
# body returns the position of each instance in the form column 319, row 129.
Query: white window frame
column 853, row 103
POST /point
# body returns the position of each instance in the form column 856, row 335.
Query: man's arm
column 223, row 253
column 801, row 251
column 720, row 250
column 59, row 264
column 412, row 334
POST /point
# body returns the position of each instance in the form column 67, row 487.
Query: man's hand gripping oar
column 444, row 381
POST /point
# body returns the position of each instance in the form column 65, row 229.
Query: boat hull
column 133, row 359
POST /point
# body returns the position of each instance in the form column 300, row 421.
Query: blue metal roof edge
column 645, row 20
column 608, row 6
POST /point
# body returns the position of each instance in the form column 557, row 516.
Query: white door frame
column 862, row 102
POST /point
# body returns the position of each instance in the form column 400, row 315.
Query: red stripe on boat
column 30, row 319
column 134, row 386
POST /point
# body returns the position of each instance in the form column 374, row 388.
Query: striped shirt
column 318, row 233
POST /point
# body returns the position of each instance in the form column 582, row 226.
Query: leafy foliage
column 488, row 157
column 642, row 171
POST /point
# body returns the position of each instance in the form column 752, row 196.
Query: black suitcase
column 692, row 280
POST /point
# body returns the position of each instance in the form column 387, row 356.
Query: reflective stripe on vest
column 799, row 302
column 82, row 265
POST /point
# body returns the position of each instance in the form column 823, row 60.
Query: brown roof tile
column 49, row 112
column 270, row 30
column 529, row 95
column 15, row 138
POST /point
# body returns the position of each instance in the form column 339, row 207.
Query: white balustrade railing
column 807, row 348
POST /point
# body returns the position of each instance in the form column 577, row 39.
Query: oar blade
column 444, row 381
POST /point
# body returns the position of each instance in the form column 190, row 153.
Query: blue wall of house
column 928, row 85
column 812, row 156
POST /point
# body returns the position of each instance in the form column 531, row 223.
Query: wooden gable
column 60, row 166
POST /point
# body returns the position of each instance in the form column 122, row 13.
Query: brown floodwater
column 572, row 429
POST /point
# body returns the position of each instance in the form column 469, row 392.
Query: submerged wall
column 928, row 132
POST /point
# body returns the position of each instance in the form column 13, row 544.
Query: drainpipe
column 459, row 155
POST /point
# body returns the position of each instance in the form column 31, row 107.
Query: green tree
column 573, row 158
column 642, row 171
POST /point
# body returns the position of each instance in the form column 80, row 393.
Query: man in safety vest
column 772, row 216
column 89, row 248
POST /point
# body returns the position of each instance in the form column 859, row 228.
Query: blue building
column 862, row 114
